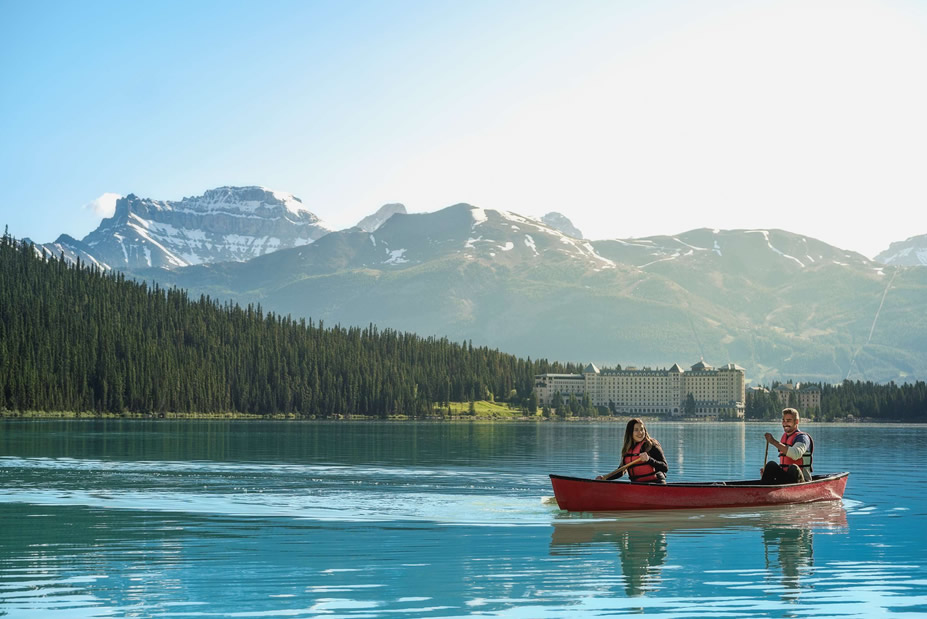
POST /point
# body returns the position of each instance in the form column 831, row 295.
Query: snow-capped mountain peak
column 560, row 222
column 910, row 252
column 243, row 199
column 489, row 236
column 223, row 224
column 370, row 223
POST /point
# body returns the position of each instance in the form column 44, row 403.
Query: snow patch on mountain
column 239, row 201
column 765, row 234
column 529, row 242
column 516, row 218
column 291, row 202
column 692, row 247
column 588, row 247
column 396, row 256
column 142, row 231
column 372, row 223
column 664, row 259
column 561, row 223
column 910, row 252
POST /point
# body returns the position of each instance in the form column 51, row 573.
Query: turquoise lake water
column 246, row 519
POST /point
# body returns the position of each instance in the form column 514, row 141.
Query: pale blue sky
column 631, row 118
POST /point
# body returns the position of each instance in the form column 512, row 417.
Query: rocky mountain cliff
column 228, row 223
column 911, row 252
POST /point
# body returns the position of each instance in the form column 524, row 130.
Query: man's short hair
column 791, row 411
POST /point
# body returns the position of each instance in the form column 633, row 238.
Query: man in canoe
column 642, row 456
column 795, row 451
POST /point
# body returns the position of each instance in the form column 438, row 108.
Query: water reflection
column 642, row 557
column 430, row 520
column 644, row 540
column 793, row 549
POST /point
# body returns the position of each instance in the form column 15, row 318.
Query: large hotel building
column 717, row 392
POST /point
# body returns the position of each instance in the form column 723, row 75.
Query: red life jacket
column 805, row 461
column 639, row 472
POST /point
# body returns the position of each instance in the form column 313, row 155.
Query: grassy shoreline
column 455, row 412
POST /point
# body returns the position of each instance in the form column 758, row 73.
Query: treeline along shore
column 850, row 401
column 77, row 340
column 73, row 338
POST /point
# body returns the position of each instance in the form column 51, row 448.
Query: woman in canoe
column 642, row 456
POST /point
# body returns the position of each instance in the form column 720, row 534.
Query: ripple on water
column 454, row 530
column 325, row 493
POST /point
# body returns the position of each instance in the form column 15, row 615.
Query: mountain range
column 910, row 252
column 783, row 306
column 228, row 223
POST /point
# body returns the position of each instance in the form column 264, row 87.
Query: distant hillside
column 76, row 339
column 784, row 306
column 910, row 252
column 781, row 305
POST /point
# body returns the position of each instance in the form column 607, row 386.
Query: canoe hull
column 589, row 495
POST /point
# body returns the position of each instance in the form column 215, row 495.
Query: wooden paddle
column 765, row 459
column 622, row 469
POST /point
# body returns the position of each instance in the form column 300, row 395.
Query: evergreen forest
column 77, row 339
column 850, row 401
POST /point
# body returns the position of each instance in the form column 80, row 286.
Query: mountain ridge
column 279, row 212
column 783, row 305
column 226, row 223
column 371, row 222
column 910, row 252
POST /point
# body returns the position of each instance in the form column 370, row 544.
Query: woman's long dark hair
column 648, row 441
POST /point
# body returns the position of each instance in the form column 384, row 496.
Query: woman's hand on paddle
column 644, row 457
column 600, row 477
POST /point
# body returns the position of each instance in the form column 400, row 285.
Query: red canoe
column 589, row 495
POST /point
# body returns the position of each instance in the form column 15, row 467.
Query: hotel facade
column 717, row 392
column 806, row 398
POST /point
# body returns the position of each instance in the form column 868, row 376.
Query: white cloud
column 104, row 206
column 88, row 219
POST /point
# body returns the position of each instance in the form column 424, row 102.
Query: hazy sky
column 631, row 118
